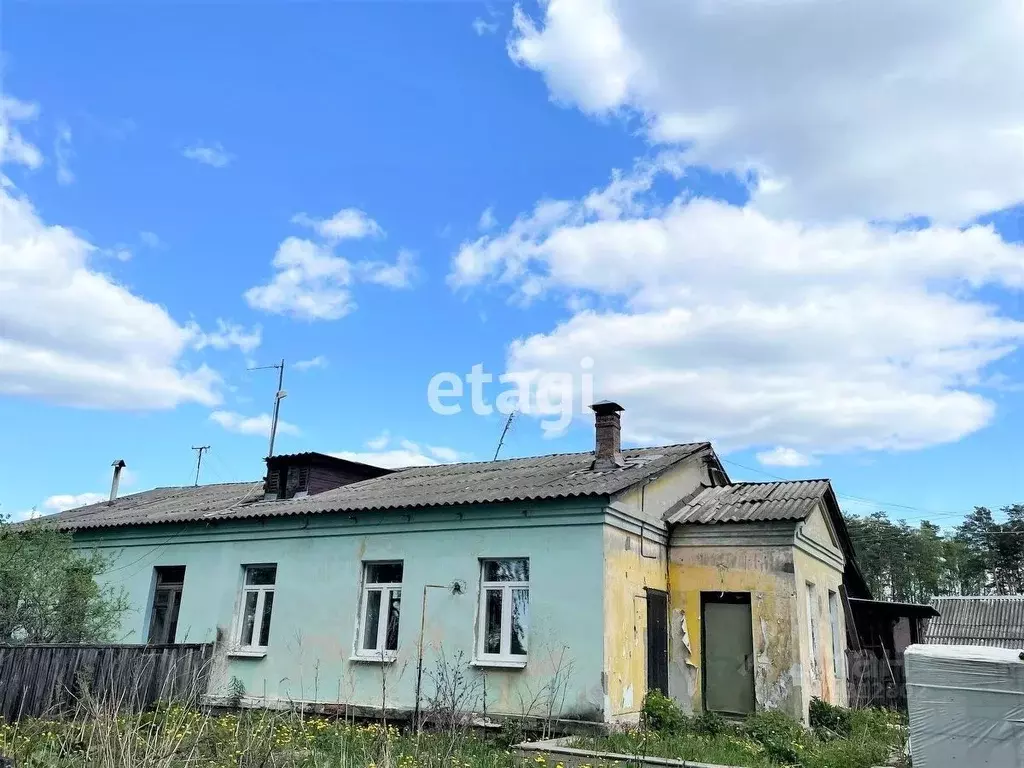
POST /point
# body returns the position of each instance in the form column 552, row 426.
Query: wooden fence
column 45, row 679
column 876, row 680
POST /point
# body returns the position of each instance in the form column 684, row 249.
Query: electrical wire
column 174, row 535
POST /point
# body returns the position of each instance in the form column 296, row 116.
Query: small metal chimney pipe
column 118, row 466
column 608, row 435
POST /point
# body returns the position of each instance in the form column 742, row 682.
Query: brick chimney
column 608, row 443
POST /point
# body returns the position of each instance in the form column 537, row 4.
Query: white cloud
column 483, row 27
column 13, row 146
column 397, row 275
column 865, row 108
column 70, row 334
column 120, row 252
column 780, row 456
column 487, row 220
column 380, row 442
column 314, row 362
column 722, row 322
column 212, row 154
column 152, row 240
column 63, row 152
column 404, row 454
column 226, row 336
column 64, row 501
column 310, row 282
column 346, row 224
column 251, row 425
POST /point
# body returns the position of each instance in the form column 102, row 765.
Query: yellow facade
column 632, row 565
column 767, row 574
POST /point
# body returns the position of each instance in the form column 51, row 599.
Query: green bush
column 828, row 720
column 783, row 738
column 710, row 724
column 660, row 713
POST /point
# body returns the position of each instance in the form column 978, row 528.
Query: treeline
column 906, row 564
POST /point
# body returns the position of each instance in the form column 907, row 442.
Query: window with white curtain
column 381, row 608
column 256, row 606
column 504, row 614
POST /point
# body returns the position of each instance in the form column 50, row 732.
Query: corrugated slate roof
column 997, row 622
column 558, row 476
column 749, row 502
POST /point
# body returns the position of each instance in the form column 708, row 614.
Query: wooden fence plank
column 37, row 680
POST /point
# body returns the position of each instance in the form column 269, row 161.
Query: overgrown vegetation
column 839, row 738
column 49, row 592
column 177, row 737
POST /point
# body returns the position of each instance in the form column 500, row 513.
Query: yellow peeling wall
column 819, row 674
column 628, row 571
column 767, row 572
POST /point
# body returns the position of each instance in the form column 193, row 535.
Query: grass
column 765, row 740
column 177, row 737
column 180, row 737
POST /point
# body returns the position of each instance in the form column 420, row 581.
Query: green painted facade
column 319, row 562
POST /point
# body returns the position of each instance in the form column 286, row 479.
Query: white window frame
column 261, row 591
column 838, row 662
column 812, row 628
column 504, row 657
column 387, row 590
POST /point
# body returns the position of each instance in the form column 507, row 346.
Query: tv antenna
column 200, row 450
column 278, row 397
column 501, row 440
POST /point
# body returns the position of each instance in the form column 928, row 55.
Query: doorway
column 727, row 645
column 657, row 641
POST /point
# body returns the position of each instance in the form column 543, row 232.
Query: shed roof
column 558, row 476
column 749, row 502
column 997, row 622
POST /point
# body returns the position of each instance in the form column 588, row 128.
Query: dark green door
column 728, row 652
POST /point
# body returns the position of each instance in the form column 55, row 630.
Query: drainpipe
column 118, row 466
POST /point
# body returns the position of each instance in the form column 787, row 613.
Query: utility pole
column 278, row 397
column 199, row 449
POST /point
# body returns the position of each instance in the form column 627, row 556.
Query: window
column 256, row 607
column 382, row 604
column 837, row 635
column 504, row 611
column 287, row 482
column 812, row 625
column 163, row 618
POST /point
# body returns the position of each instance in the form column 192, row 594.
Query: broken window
column 163, row 618
column 504, row 622
column 256, row 606
column 382, row 604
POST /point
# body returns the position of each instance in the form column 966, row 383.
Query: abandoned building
column 576, row 582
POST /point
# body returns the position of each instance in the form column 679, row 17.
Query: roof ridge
column 550, row 456
column 782, row 482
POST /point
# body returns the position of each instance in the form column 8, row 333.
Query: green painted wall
column 318, row 588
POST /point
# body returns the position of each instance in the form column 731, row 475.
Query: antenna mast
column 199, row 449
column 278, row 397
column 501, row 441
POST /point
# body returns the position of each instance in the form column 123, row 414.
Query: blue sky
column 440, row 179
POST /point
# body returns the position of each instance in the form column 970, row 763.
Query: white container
column 966, row 706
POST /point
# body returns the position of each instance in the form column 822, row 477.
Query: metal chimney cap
column 119, row 464
column 606, row 406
